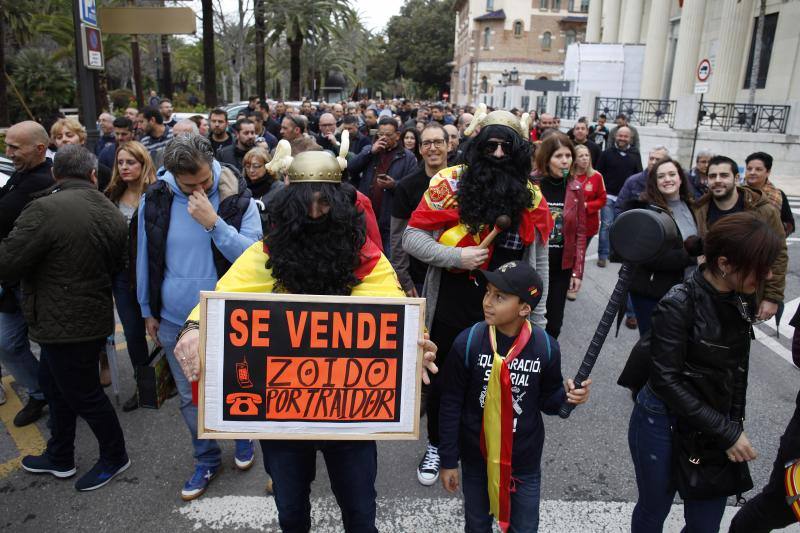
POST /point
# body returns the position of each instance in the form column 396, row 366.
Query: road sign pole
column 85, row 83
column 696, row 127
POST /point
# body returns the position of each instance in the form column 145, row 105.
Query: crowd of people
column 487, row 214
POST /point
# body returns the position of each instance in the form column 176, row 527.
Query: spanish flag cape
column 438, row 210
column 248, row 274
column 497, row 433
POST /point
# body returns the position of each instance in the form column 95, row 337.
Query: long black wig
column 314, row 256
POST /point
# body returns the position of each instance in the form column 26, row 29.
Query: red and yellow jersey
column 438, row 210
column 248, row 274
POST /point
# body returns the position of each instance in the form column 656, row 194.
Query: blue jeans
column 206, row 452
column 606, row 219
column 131, row 317
column 524, row 500
column 15, row 351
column 650, row 442
column 644, row 307
column 352, row 468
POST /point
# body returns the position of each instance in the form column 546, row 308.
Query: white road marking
column 772, row 343
column 423, row 515
column 789, row 310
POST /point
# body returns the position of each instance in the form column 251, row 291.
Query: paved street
column 587, row 472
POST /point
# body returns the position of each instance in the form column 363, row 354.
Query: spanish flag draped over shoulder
column 438, row 210
column 497, row 433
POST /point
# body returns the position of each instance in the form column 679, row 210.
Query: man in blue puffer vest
column 193, row 223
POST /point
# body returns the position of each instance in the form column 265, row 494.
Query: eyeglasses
column 491, row 146
column 438, row 143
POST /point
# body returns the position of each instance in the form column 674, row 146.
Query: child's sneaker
column 197, row 485
column 428, row 469
column 245, row 454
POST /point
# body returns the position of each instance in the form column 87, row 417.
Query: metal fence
column 541, row 104
column 744, row 117
column 567, row 107
column 637, row 110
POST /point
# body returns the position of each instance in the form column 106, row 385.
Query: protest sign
column 286, row 366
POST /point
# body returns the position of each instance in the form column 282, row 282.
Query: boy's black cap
column 515, row 277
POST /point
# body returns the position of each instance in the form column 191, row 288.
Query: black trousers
column 70, row 380
column 556, row 299
column 443, row 336
column 769, row 509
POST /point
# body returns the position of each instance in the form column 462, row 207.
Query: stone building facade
column 501, row 43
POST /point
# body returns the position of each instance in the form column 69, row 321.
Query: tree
column 16, row 27
column 209, row 63
column 260, row 36
column 420, row 42
column 43, row 82
column 299, row 22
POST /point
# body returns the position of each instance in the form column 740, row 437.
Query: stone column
column 611, row 21
column 645, row 20
column 655, row 49
column 686, row 55
column 725, row 82
column 631, row 22
column 593, row 25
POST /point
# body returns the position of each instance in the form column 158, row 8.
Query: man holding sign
column 316, row 244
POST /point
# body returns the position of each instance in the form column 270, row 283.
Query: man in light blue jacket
column 193, row 223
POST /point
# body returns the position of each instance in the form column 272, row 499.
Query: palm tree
column 298, row 22
column 15, row 22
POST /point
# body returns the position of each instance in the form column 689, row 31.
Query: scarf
column 497, row 433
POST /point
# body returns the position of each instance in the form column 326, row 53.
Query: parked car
column 6, row 168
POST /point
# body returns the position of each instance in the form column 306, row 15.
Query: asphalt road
column 587, row 482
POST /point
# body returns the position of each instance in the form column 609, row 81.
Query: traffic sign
column 88, row 10
column 92, row 47
column 703, row 70
column 701, row 87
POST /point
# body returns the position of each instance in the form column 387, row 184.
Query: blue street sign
column 89, row 12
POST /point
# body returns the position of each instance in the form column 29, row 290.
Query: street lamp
column 514, row 76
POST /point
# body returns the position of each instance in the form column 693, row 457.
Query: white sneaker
column 428, row 469
column 2, row 395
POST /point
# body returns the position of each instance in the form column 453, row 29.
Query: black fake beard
column 490, row 188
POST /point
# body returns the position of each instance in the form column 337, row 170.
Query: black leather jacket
column 700, row 350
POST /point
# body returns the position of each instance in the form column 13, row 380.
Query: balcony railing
column 541, row 104
column 638, row 111
column 744, row 117
column 567, row 107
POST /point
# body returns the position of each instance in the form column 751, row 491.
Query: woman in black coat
column 667, row 189
column 699, row 348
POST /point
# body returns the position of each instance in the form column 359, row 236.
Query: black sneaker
column 41, row 464
column 30, row 413
column 100, row 474
column 428, row 470
column 131, row 404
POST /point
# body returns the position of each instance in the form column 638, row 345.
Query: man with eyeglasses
column 382, row 165
column 327, row 133
column 433, row 148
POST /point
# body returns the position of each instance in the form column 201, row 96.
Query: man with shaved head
column 26, row 146
column 106, row 124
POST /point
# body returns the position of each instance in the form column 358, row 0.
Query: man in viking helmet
column 316, row 243
column 489, row 194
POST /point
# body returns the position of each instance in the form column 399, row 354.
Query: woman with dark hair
column 686, row 428
column 567, row 243
column 666, row 189
column 410, row 139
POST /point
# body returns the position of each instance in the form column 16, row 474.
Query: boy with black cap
column 491, row 403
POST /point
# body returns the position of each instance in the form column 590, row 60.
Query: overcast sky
column 374, row 13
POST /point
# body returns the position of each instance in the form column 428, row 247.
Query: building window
column 489, row 5
column 569, row 35
column 556, row 5
column 487, row 36
column 518, row 28
column 484, row 85
column 526, row 103
column 543, row 4
column 547, row 40
column 770, row 23
column 584, row 6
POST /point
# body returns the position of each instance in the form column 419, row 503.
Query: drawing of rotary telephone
column 243, row 403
